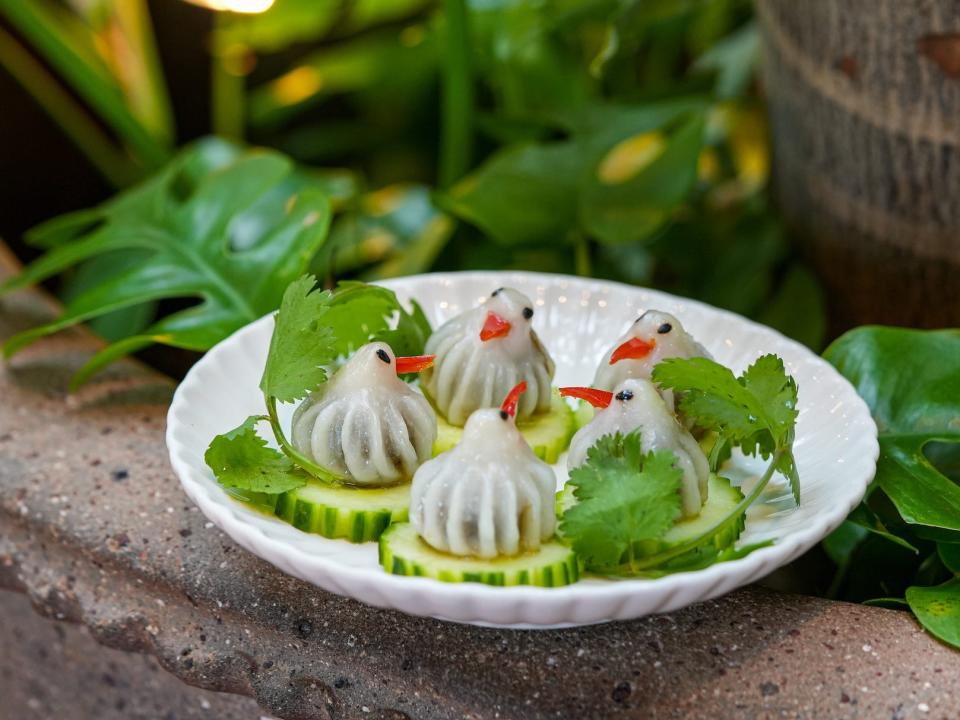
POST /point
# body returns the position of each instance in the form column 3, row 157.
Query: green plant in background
column 616, row 138
column 903, row 541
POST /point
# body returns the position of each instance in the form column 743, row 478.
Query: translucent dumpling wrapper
column 653, row 337
column 365, row 424
column 488, row 496
column 637, row 405
column 482, row 353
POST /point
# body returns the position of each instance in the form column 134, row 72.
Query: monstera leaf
column 230, row 228
column 911, row 381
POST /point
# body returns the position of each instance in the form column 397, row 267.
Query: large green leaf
column 211, row 227
column 911, row 381
column 523, row 195
column 618, row 178
column 938, row 609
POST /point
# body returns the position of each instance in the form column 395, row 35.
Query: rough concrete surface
column 95, row 530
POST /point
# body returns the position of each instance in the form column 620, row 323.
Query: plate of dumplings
column 459, row 471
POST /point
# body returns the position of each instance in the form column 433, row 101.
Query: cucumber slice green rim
column 722, row 499
column 548, row 434
column 403, row 552
column 349, row 513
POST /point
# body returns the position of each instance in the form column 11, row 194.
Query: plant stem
column 692, row 544
column 456, row 121
column 291, row 452
column 227, row 83
column 53, row 35
column 582, row 262
column 136, row 63
column 89, row 139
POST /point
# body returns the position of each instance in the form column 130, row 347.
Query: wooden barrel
column 864, row 100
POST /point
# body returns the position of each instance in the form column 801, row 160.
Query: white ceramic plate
column 578, row 319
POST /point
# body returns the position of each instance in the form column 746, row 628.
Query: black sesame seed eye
column 665, row 328
column 496, row 292
column 624, row 395
column 504, row 414
column 382, row 354
column 528, row 313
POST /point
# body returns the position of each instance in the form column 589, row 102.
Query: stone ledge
column 95, row 529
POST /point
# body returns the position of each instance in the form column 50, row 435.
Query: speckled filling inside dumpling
column 366, row 424
column 488, row 496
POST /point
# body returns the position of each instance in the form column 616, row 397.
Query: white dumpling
column 471, row 373
column 488, row 496
column 636, row 405
column 653, row 337
column 365, row 423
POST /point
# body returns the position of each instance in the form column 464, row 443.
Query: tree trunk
column 864, row 102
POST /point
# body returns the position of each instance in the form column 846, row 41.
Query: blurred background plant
column 615, row 138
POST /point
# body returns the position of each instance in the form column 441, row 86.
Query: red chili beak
column 414, row 363
column 597, row 398
column 633, row 349
column 509, row 405
column 494, row 327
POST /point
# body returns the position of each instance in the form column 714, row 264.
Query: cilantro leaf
column 302, row 343
column 361, row 313
column 756, row 412
column 623, row 497
column 241, row 459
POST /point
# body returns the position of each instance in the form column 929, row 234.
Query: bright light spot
column 297, row 85
column 629, row 157
column 238, row 6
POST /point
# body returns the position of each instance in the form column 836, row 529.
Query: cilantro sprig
column 313, row 329
column 625, row 498
column 756, row 412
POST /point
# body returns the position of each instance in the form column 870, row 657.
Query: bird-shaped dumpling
column 654, row 336
column 489, row 495
column 636, row 405
column 482, row 353
column 365, row 424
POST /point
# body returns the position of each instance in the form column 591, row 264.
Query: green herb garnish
column 623, row 497
column 313, row 328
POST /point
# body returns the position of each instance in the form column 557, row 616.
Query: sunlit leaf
column 183, row 221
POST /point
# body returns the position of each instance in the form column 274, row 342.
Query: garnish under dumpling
column 654, row 336
column 637, row 405
column 484, row 352
column 365, row 424
column 489, row 495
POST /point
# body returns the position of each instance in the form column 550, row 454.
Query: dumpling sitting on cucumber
column 483, row 511
column 480, row 355
column 654, row 336
column 366, row 425
column 637, row 405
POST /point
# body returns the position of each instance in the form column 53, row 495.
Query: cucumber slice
column 722, row 498
column 354, row 514
column 402, row 552
column 547, row 434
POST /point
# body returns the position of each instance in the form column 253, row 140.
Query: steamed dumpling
column 482, row 353
column 636, row 404
column 365, row 423
column 488, row 496
column 653, row 337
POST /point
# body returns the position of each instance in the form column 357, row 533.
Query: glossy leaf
column 631, row 208
column 938, row 609
column 523, row 195
column 911, row 381
column 186, row 221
